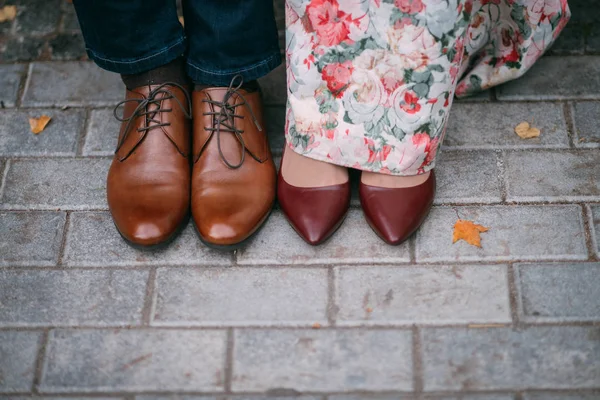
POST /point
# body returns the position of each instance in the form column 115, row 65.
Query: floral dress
column 371, row 82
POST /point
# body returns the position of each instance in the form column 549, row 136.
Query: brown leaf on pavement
column 8, row 13
column 468, row 231
column 39, row 124
column 526, row 131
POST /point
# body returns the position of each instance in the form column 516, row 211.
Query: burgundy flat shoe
column 396, row 213
column 315, row 213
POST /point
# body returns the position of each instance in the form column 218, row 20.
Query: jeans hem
column 142, row 64
column 201, row 75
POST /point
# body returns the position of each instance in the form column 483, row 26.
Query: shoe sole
column 158, row 246
column 239, row 245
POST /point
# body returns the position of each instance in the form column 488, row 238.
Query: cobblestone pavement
column 84, row 315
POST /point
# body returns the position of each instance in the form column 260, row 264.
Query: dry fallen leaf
column 39, row 124
column 468, row 231
column 525, row 131
column 8, row 13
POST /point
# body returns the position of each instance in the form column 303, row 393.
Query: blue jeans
column 222, row 38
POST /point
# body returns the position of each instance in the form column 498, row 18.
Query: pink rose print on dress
column 331, row 25
column 371, row 82
column 337, row 77
column 409, row 6
column 411, row 103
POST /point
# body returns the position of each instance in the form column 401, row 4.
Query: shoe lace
column 224, row 119
column 143, row 110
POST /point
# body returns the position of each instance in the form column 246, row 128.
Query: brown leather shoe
column 148, row 184
column 315, row 213
column 396, row 213
column 233, row 177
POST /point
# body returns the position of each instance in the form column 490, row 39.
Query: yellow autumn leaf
column 39, row 124
column 468, row 231
column 8, row 13
column 526, row 131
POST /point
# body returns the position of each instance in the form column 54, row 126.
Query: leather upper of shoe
column 233, row 177
column 396, row 213
column 148, row 185
column 314, row 212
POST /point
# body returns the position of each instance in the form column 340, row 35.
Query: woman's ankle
column 302, row 171
column 393, row 181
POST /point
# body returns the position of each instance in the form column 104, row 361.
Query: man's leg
column 233, row 177
column 232, row 37
column 133, row 36
column 148, row 185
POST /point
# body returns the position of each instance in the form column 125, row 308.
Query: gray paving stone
column 322, row 360
column 273, row 397
column 492, row 126
column 472, row 397
column 440, row 295
column 18, row 352
column 71, row 83
column 273, row 86
column 37, row 18
column 175, row 397
column 262, row 296
column 102, row 134
column 275, row 121
column 559, row 292
column 36, row 396
column 587, row 124
column 22, row 48
column 484, row 96
column 594, row 213
column 277, row 243
column 75, row 184
column 502, row 359
column 58, row 139
column 70, row 22
column 67, row 46
column 370, row 397
column 570, row 41
column 10, row 80
column 134, row 360
column 93, row 241
column 579, row 79
column 515, row 233
column 30, row 238
column 240, row 397
column 467, row 177
column 553, row 176
column 561, row 396
column 72, row 297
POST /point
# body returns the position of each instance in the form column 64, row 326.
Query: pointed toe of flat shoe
column 314, row 213
column 312, row 226
column 396, row 213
